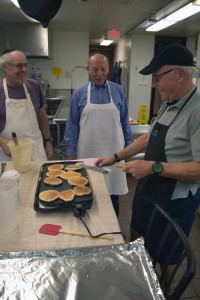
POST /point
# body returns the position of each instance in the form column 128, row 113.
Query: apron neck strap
column 89, row 92
column 6, row 89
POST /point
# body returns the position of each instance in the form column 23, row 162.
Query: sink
column 52, row 105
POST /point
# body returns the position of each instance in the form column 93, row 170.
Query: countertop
column 100, row 218
column 62, row 112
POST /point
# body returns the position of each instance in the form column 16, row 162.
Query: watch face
column 157, row 167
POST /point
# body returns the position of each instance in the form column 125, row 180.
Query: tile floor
column 193, row 290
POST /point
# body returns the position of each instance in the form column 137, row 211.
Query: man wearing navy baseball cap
column 173, row 54
column 170, row 170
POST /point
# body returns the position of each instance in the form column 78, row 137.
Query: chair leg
column 166, row 275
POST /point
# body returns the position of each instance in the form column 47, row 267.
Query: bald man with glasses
column 170, row 172
column 22, row 108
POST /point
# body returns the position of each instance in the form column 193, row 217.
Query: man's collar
column 172, row 103
column 182, row 100
column 98, row 86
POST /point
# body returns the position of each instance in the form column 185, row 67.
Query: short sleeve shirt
column 182, row 139
column 36, row 94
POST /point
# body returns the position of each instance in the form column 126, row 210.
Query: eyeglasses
column 19, row 66
column 156, row 78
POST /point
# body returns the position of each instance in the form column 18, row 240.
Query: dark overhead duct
column 40, row 10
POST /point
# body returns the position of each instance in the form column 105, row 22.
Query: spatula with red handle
column 53, row 229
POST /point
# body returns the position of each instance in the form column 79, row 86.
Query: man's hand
column 4, row 146
column 70, row 157
column 49, row 150
column 138, row 168
column 105, row 161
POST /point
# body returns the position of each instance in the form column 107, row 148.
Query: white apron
column 21, row 119
column 101, row 135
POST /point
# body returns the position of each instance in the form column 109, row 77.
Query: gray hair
column 190, row 70
column 7, row 58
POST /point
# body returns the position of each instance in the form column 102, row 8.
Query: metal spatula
column 94, row 168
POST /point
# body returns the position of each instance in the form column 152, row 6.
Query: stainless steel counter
column 138, row 130
column 62, row 112
column 61, row 116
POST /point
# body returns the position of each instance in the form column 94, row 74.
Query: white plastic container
column 11, row 174
column 9, row 191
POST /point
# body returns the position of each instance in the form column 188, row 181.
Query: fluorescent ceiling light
column 183, row 13
column 196, row 2
column 106, row 42
column 175, row 17
column 160, row 25
column 15, row 2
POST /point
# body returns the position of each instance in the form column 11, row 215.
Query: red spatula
column 53, row 229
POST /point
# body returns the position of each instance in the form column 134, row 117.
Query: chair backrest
column 186, row 266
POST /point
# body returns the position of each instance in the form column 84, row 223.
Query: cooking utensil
column 94, row 168
column 15, row 139
column 53, row 229
column 3, row 166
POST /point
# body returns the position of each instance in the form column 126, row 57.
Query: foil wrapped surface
column 110, row 272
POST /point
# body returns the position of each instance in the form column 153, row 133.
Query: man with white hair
column 21, row 108
column 169, row 174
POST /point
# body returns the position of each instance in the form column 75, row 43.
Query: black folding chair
column 185, row 268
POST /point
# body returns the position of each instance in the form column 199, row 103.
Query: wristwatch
column 157, row 168
column 117, row 159
column 48, row 140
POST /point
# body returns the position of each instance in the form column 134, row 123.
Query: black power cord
column 80, row 210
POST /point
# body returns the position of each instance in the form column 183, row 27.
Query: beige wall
column 140, row 86
column 69, row 49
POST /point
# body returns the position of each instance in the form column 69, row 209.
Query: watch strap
column 117, row 159
column 48, row 140
column 157, row 168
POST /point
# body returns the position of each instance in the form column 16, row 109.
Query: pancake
column 81, row 190
column 54, row 173
column 73, row 167
column 67, row 195
column 49, row 195
column 55, row 167
column 69, row 174
column 52, row 180
column 78, row 180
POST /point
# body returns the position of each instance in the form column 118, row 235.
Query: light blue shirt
column 99, row 95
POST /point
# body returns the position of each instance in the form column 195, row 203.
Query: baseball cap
column 173, row 54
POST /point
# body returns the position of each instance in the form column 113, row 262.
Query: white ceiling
column 98, row 16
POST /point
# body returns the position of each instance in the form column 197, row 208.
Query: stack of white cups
column 9, row 191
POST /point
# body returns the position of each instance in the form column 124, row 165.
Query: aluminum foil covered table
column 109, row 272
